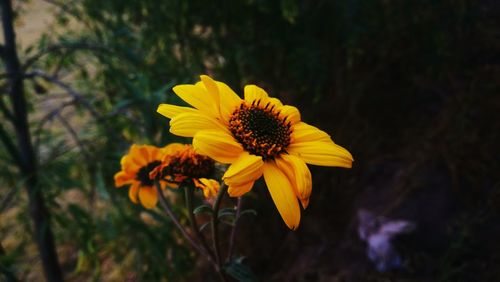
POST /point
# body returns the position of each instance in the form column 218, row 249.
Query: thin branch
column 215, row 233
column 166, row 207
column 79, row 46
column 74, row 135
column 72, row 92
column 194, row 224
column 233, row 231
column 9, row 145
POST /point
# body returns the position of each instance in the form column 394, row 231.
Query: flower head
column 258, row 136
column 135, row 169
column 181, row 164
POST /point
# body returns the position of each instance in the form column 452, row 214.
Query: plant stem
column 215, row 221
column 194, row 224
column 233, row 231
column 27, row 159
column 168, row 211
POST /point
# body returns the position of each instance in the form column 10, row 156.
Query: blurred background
column 410, row 88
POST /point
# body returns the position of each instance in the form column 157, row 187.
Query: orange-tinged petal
column 291, row 113
column 240, row 190
column 254, row 93
column 246, row 168
column 132, row 192
column 130, row 165
column 198, row 97
column 148, row 196
column 229, row 101
column 303, row 132
column 123, row 178
column 188, row 124
column 282, row 194
column 171, row 111
column 173, row 148
column 321, row 153
column 300, row 177
column 218, row 145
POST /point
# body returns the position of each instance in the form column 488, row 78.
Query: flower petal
column 123, row 178
column 303, row 132
column 173, row 148
column 246, row 168
column 300, row 175
column 253, row 93
column 322, row 153
column 171, row 111
column 229, row 101
column 212, row 90
column 132, row 192
column 291, row 112
column 198, row 97
column 188, row 124
column 282, row 194
column 240, row 190
column 148, row 196
column 218, row 145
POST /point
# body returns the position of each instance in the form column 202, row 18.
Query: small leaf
column 203, row 209
column 205, row 225
column 227, row 212
column 249, row 212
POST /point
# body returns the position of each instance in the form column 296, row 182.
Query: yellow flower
column 257, row 135
column 182, row 164
column 136, row 166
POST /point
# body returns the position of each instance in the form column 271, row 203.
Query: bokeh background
column 410, row 88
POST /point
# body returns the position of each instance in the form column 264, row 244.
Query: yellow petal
column 171, row 111
column 229, row 101
column 246, row 168
column 148, row 196
column 282, row 194
column 300, row 175
column 198, row 97
column 254, row 93
column 123, row 178
column 218, row 145
column 188, row 124
column 212, row 90
column 240, row 190
column 132, row 192
column 276, row 102
column 321, row 153
column 173, row 148
column 303, row 132
column 291, row 113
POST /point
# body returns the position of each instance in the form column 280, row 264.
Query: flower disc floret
column 260, row 129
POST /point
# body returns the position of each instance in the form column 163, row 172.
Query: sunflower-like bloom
column 181, row 164
column 257, row 135
column 136, row 167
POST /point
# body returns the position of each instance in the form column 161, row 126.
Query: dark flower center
column 143, row 173
column 260, row 129
column 189, row 165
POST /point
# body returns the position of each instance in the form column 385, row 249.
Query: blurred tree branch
column 27, row 159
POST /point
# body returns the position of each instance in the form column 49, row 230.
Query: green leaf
column 249, row 212
column 203, row 209
column 227, row 212
column 236, row 269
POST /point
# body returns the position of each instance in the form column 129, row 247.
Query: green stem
column 194, row 224
column 233, row 231
column 215, row 222
column 166, row 207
